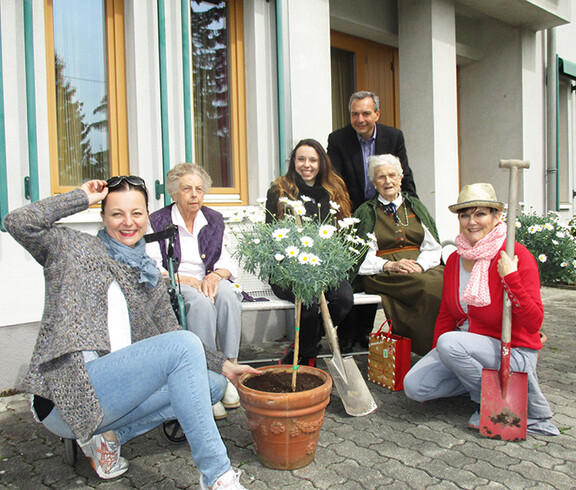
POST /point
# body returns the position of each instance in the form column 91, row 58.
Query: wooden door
column 366, row 65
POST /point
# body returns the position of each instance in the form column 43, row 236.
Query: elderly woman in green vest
column 403, row 265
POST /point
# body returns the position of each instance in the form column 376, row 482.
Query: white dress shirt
column 430, row 250
column 191, row 263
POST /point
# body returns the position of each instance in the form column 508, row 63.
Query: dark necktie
column 390, row 209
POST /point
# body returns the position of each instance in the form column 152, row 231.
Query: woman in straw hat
column 469, row 325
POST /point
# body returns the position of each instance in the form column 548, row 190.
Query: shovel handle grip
column 514, row 163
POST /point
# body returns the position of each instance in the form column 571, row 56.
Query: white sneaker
column 231, row 399
column 230, row 479
column 219, row 411
column 105, row 457
column 474, row 422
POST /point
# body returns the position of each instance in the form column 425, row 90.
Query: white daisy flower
column 564, row 264
column 371, row 236
column 315, row 260
column 299, row 210
column 326, row 231
column 294, row 203
column 354, row 250
column 280, row 233
column 256, row 219
column 555, row 242
column 532, row 230
column 334, row 205
column 560, row 234
column 542, row 258
column 306, row 241
column 549, row 226
column 283, row 199
column 332, row 211
column 305, row 198
column 304, row 258
column 518, row 224
column 292, row 251
column 279, row 257
column 256, row 241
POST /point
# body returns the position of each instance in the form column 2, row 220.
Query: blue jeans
column 154, row 380
column 455, row 366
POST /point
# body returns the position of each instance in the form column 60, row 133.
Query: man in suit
column 350, row 147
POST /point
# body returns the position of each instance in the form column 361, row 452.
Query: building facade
column 93, row 88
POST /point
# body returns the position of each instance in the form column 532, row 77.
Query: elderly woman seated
column 205, row 268
column 403, row 266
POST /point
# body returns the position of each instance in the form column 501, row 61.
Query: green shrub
column 552, row 243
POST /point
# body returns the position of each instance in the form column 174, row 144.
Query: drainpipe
column 3, row 173
column 160, row 189
column 30, row 182
column 552, row 203
column 280, row 83
column 185, row 22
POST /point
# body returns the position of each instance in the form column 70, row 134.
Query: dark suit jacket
column 346, row 156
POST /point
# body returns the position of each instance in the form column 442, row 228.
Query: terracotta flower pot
column 286, row 426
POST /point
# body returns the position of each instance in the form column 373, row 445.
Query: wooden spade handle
column 513, row 165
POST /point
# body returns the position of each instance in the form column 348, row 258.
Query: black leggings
column 340, row 302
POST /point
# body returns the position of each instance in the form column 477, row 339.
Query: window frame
column 117, row 112
column 222, row 195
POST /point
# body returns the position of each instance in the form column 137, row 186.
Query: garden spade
column 504, row 396
column 346, row 376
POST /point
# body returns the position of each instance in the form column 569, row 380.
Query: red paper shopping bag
column 388, row 358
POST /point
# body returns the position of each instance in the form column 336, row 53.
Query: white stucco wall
column 490, row 107
column 533, row 180
column 261, row 96
column 566, row 48
column 428, row 103
column 376, row 21
column 309, row 103
column 566, row 39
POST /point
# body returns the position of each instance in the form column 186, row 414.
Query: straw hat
column 477, row 196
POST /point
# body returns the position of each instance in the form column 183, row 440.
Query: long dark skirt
column 340, row 302
column 411, row 301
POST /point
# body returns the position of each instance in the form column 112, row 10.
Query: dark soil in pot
column 273, row 382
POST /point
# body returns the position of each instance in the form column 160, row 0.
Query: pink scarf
column 477, row 292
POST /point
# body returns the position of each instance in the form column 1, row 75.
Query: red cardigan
column 523, row 288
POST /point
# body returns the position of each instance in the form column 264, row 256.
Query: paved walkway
column 402, row 445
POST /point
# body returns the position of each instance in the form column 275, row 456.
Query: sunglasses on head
column 131, row 179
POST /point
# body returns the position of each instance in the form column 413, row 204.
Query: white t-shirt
column 119, row 330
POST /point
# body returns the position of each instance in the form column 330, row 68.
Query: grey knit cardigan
column 78, row 272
